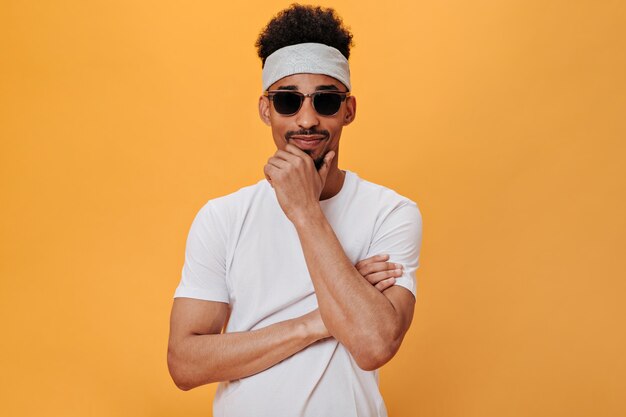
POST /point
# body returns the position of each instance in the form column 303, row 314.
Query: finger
column 286, row 156
column 383, row 285
column 381, row 276
column 378, row 266
column 294, row 150
column 375, row 258
column 295, row 161
column 326, row 167
column 271, row 172
column 278, row 163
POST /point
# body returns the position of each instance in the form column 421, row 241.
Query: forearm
column 203, row 359
column 354, row 311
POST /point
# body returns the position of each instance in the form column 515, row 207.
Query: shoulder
column 241, row 198
column 224, row 210
column 383, row 198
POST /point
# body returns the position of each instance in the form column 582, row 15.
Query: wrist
column 311, row 216
column 311, row 327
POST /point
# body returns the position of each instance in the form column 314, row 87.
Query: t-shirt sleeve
column 204, row 270
column 400, row 236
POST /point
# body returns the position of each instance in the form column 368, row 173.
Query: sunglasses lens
column 287, row 103
column 327, row 104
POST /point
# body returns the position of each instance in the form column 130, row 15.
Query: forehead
column 308, row 82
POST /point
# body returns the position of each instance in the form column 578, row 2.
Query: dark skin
column 369, row 323
column 308, row 119
column 198, row 352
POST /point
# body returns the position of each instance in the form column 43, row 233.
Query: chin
column 319, row 161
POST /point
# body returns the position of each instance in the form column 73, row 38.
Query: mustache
column 291, row 133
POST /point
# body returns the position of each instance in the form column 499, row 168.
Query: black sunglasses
column 288, row 103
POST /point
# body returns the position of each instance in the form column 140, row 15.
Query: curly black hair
column 299, row 24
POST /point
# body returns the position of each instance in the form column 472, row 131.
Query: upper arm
column 400, row 236
column 201, row 298
column 191, row 316
column 403, row 303
column 392, row 331
column 204, row 271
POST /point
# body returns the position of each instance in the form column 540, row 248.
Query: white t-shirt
column 244, row 251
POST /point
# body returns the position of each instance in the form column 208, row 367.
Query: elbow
column 371, row 348
column 375, row 355
column 367, row 364
column 372, row 360
column 182, row 385
column 175, row 368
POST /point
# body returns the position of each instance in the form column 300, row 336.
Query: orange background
column 503, row 120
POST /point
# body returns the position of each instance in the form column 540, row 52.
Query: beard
column 319, row 161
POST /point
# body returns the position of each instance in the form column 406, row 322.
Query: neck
column 334, row 181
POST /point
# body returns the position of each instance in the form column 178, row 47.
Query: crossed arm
column 198, row 354
column 368, row 316
column 370, row 323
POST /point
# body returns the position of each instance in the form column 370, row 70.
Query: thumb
column 267, row 177
column 326, row 167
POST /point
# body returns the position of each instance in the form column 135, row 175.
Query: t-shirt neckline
column 348, row 181
column 347, row 184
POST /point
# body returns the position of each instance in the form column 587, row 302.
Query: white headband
column 310, row 58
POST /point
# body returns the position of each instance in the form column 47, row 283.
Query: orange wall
column 504, row 120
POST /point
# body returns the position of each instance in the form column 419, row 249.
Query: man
column 311, row 271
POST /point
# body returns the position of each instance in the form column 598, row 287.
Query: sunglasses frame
column 343, row 94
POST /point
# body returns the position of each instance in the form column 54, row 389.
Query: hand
column 315, row 325
column 297, row 183
column 378, row 272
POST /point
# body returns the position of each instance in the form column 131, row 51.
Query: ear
column 264, row 110
column 350, row 114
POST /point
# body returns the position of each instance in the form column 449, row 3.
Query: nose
column 307, row 116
